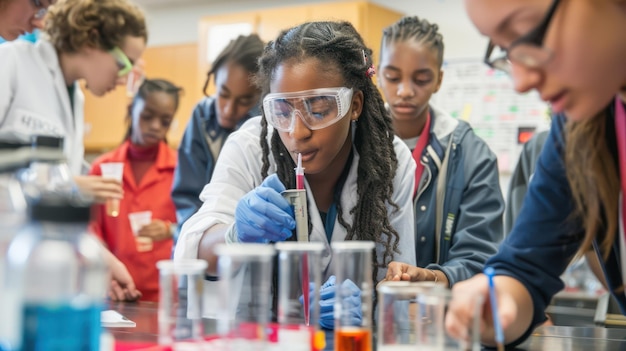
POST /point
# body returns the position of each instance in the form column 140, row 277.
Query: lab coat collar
column 50, row 59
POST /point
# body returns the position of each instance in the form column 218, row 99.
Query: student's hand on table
column 157, row 230
column 100, row 188
column 122, row 286
column 397, row 271
column 352, row 303
column 460, row 314
column 263, row 215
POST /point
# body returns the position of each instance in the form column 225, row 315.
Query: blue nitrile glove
column 263, row 215
column 352, row 304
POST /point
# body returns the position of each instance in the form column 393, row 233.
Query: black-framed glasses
column 527, row 50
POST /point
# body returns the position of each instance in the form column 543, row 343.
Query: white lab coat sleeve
column 8, row 82
column 402, row 219
column 237, row 171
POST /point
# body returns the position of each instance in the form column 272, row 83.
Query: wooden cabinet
column 105, row 117
column 368, row 18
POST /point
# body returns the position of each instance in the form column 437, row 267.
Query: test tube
column 245, row 279
column 352, row 264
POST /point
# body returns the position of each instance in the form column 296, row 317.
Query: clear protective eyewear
column 42, row 9
column 123, row 62
column 527, row 50
column 317, row 108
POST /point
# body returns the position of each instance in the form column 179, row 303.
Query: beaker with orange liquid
column 352, row 265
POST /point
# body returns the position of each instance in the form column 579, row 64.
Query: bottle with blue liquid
column 63, row 274
column 12, row 217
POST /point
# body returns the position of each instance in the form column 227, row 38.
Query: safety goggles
column 41, row 8
column 317, row 108
column 123, row 63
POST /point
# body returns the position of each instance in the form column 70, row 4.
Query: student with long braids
column 458, row 201
column 148, row 173
column 214, row 118
column 319, row 101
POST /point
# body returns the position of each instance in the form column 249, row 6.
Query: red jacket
column 152, row 194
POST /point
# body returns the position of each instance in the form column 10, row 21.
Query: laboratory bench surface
column 560, row 338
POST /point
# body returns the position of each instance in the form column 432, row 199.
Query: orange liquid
column 353, row 339
column 112, row 207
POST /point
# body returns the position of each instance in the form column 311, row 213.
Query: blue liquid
column 61, row 328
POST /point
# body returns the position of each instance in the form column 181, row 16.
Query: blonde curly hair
column 103, row 24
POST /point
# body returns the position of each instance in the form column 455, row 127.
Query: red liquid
column 300, row 181
column 353, row 339
column 305, row 288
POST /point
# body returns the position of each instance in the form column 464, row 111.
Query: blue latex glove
column 263, row 215
column 351, row 315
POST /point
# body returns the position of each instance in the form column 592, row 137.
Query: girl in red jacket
column 147, row 179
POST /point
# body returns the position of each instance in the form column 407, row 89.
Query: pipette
column 297, row 198
column 305, row 260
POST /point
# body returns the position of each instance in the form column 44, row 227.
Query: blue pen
column 490, row 272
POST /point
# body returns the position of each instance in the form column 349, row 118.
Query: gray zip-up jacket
column 470, row 218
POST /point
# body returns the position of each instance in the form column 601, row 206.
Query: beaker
column 245, row 294
column 352, row 264
column 299, row 279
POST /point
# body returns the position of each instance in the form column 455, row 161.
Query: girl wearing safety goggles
column 320, row 102
column 17, row 16
column 39, row 92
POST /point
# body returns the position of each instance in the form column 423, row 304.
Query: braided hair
column 243, row 50
column 341, row 48
column 412, row 27
column 147, row 87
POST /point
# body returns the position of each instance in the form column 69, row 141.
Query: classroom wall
column 176, row 24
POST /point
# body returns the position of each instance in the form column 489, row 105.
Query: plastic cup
column 397, row 307
column 180, row 303
column 112, row 170
column 352, row 264
column 245, row 280
column 137, row 221
column 431, row 306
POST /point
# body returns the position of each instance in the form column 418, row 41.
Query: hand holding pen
column 504, row 320
column 493, row 301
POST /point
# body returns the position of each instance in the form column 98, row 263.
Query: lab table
column 550, row 338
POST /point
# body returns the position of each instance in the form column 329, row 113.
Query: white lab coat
column 238, row 171
column 34, row 98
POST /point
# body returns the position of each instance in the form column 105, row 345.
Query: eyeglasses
column 317, row 108
column 41, row 9
column 527, row 50
column 123, row 62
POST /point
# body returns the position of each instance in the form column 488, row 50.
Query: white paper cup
column 138, row 220
column 112, row 170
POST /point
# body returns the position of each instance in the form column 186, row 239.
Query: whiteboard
column 473, row 92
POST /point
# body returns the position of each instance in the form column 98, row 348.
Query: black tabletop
column 556, row 338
